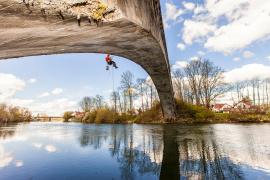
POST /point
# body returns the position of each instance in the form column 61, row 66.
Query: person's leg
column 114, row 65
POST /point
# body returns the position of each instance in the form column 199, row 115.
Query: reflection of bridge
column 136, row 34
column 49, row 117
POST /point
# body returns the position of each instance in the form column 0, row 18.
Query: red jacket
column 108, row 58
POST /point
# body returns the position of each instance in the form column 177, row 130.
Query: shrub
column 90, row 117
column 123, row 118
column 151, row 115
column 67, row 116
column 104, row 116
column 198, row 113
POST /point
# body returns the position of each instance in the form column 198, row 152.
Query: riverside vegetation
column 196, row 87
column 10, row 114
column 186, row 113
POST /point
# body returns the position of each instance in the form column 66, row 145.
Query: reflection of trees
column 136, row 153
column 169, row 151
column 134, row 158
column 201, row 158
column 6, row 132
column 92, row 136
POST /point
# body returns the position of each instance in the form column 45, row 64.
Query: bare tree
column 266, row 91
column 115, row 97
column 140, row 85
column 258, row 92
column 99, row 102
column 151, row 86
column 193, row 73
column 124, row 94
column 239, row 89
column 213, row 84
column 87, row 103
column 128, row 85
column 178, row 84
column 253, row 83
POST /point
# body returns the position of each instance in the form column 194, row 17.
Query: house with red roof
column 222, row 108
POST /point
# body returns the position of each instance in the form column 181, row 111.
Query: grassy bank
column 186, row 113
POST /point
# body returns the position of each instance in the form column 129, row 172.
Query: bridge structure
column 132, row 29
column 49, row 118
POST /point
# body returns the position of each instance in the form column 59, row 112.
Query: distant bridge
column 49, row 117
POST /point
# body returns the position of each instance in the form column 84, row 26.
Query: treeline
column 196, row 88
column 201, row 83
column 13, row 113
column 255, row 90
column 120, row 108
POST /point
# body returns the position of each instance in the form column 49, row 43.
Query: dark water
column 53, row 150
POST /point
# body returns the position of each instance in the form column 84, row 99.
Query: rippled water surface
column 54, row 150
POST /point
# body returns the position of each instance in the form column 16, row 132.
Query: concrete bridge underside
column 135, row 33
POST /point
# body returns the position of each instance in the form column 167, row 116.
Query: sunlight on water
column 54, row 150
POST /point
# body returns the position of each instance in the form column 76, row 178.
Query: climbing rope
column 113, row 92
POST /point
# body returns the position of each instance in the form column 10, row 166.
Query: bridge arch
column 137, row 34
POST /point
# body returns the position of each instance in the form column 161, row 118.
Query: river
column 56, row 150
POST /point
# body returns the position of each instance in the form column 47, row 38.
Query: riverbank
column 186, row 114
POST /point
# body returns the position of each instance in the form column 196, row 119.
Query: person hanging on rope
column 110, row 61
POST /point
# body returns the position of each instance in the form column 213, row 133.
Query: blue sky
column 235, row 35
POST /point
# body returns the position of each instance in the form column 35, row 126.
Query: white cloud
column 55, row 107
column 133, row 90
column 180, row 65
column 50, row 148
column 10, row 82
column 268, row 58
column 248, row 54
column 109, row 91
column 236, row 59
column 57, row 91
column 5, row 157
column 246, row 22
column 188, row 5
column 247, row 72
column 45, row 94
column 172, row 13
column 195, row 58
column 199, row 9
column 38, row 145
column 32, row 80
column 196, row 31
column 52, row 108
column 18, row 163
column 181, row 46
column 201, row 53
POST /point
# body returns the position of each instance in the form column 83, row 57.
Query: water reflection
column 136, row 150
column 224, row 151
column 174, row 152
column 202, row 158
column 6, row 157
